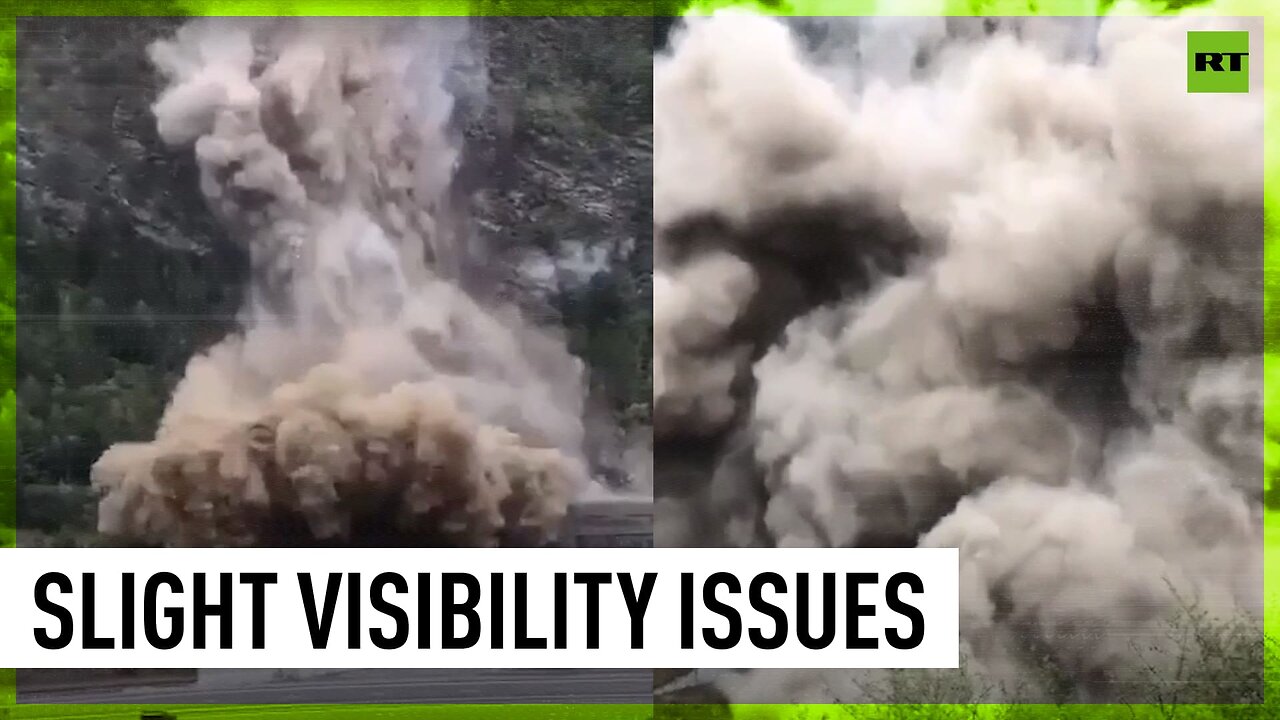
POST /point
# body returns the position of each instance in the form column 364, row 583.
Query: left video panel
column 334, row 282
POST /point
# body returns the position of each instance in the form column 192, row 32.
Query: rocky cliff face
column 123, row 273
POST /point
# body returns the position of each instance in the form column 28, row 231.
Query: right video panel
column 986, row 283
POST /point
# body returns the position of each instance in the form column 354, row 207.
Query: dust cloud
column 370, row 396
column 986, row 284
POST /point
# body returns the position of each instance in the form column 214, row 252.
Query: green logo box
column 1217, row 62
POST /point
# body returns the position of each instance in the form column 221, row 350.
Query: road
column 243, row 687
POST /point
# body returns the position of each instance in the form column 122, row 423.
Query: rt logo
column 1217, row 62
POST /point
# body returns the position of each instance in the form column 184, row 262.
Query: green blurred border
column 1270, row 9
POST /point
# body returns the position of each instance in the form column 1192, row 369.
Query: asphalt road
column 378, row 686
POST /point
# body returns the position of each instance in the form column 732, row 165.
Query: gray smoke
column 986, row 284
column 369, row 395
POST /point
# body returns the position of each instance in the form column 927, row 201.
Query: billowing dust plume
column 369, row 396
column 986, row 284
